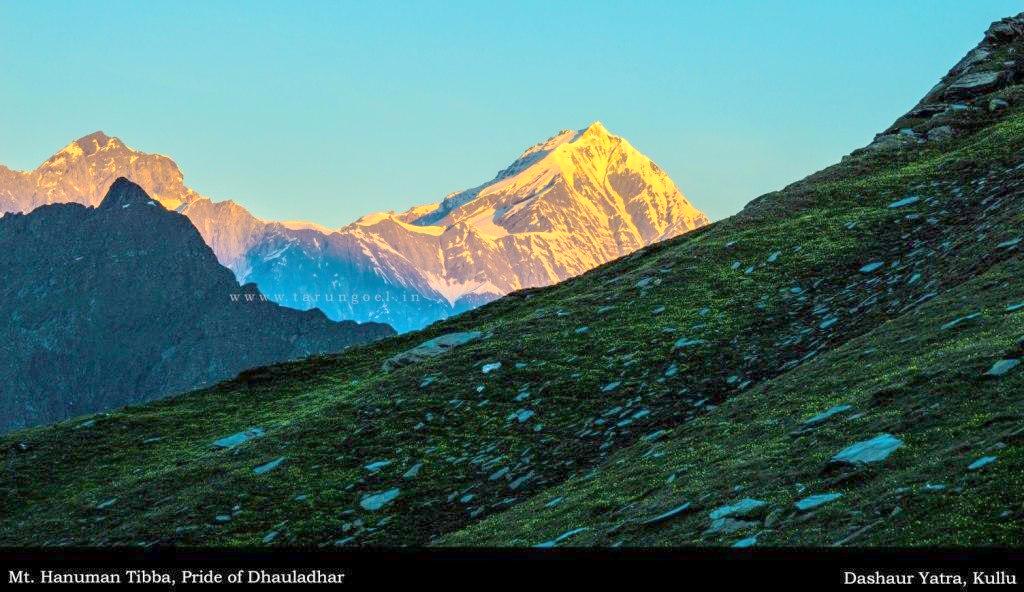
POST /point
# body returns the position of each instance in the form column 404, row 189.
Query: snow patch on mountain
column 306, row 225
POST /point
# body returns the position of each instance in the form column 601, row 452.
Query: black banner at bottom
column 172, row 569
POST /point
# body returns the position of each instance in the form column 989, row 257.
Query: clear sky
column 329, row 110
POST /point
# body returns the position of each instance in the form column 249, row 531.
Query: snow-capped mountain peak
column 530, row 157
column 83, row 170
column 563, row 206
column 572, row 181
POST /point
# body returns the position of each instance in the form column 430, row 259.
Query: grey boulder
column 430, row 349
column 874, row 450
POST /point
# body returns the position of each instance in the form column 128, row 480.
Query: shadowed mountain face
column 566, row 205
column 125, row 303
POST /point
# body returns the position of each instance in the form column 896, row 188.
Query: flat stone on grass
column 240, row 438
column 743, row 508
column 814, row 501
column 430, row 349
column 267, row 467
column 668, row 515
column 379, row 500
column 873, row 450
column 1002, row 367
column 826, row 415
column 554, row 542
column 981, row 462
column 906, row 201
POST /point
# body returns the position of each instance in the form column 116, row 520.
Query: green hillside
column 662, row 399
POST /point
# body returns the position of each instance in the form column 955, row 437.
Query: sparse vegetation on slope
column 661, row 399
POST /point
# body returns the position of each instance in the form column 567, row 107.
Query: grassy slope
column 769, row 356
column 907, row 377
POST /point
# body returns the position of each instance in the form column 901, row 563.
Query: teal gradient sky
column 329, row 110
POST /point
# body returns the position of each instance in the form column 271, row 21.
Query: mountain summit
column 577, row 180
column 82, row 171
column 123, row 194
column 565, row 205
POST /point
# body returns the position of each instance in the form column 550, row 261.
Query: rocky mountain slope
column 837, row 365
column 123, row 303
column 564, row 206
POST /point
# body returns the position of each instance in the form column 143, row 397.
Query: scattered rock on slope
column 238, row 438
column 874, row 450
column 430, row 349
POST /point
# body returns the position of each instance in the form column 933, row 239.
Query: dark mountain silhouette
column 124, row 303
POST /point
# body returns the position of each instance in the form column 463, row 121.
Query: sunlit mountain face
column 564, row 206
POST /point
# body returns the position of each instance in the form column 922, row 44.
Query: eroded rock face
column 972, row 83
column 1005, row 29
column 124, row 303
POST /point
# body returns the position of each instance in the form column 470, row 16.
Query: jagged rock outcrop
column 993, row 65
